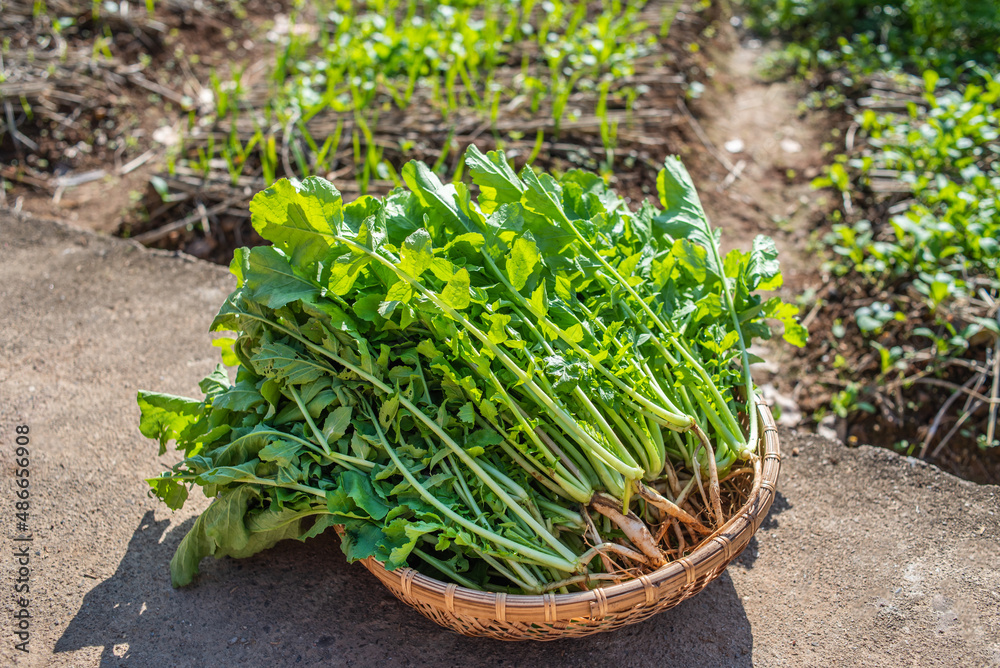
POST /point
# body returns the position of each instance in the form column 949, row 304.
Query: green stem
column 463, row 491
column 308, row 418
column 562, row 562
column 344, row 460
column 445, row 569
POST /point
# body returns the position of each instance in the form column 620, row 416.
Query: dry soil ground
column 866, row 559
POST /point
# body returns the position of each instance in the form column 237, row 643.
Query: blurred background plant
column 871, row 36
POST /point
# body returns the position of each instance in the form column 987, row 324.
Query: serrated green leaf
column 498, row 184
column 165, row 416
column 300, row 217
column 467, row 413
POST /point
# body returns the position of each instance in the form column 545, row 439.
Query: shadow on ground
column 302, row 604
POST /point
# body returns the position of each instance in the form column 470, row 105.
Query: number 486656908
column 22, row 473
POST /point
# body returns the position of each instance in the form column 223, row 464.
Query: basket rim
column 717, row 548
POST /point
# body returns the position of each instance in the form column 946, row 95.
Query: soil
column 753, row 160
column 761, row 183
column 644, row 138
column 118, row 122
column 866, row 559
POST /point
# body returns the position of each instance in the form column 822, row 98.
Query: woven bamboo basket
column 556, row 616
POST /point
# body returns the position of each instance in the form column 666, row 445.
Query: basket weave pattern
column 556, row 616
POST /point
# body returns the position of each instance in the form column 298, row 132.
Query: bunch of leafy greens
column 465, row 386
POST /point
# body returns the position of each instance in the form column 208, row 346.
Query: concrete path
column 867, row 558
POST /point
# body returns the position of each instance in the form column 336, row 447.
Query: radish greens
column 534, row 390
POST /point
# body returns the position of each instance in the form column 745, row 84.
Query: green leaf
column 498, row 327
column 467, row 413
column 238, row 265
column 272, row 281
column 456, row 293
column 215, row 383
column 474, row 240
column 678, row 194
column 431, row 192
column 683, row 216
column 387, row 411
column 353, row 493
column 243, row 447
column 542, row 195
column 563, row 374
column 539, row 302
column 172, row 492
column 300, row 217
column 284, row 363
column 344, row 271
column 165, row 416
column 498, row 184
column 483, row 438
column 270, row 389
column 763, row 271
column 564, row 289
column 417, row 254
column 218, row 531
column 243, row 396
column 795, row 334
column 522, row 261
column 225, row 346
column 274, row 524
column 361, row 540
column 367, row 307
column 337, row 423
column 692, row 257
column 280, row 452
column 322, row 523
column 402, row 535
column 574, row 333
column 225, row 475
column 399, row 292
